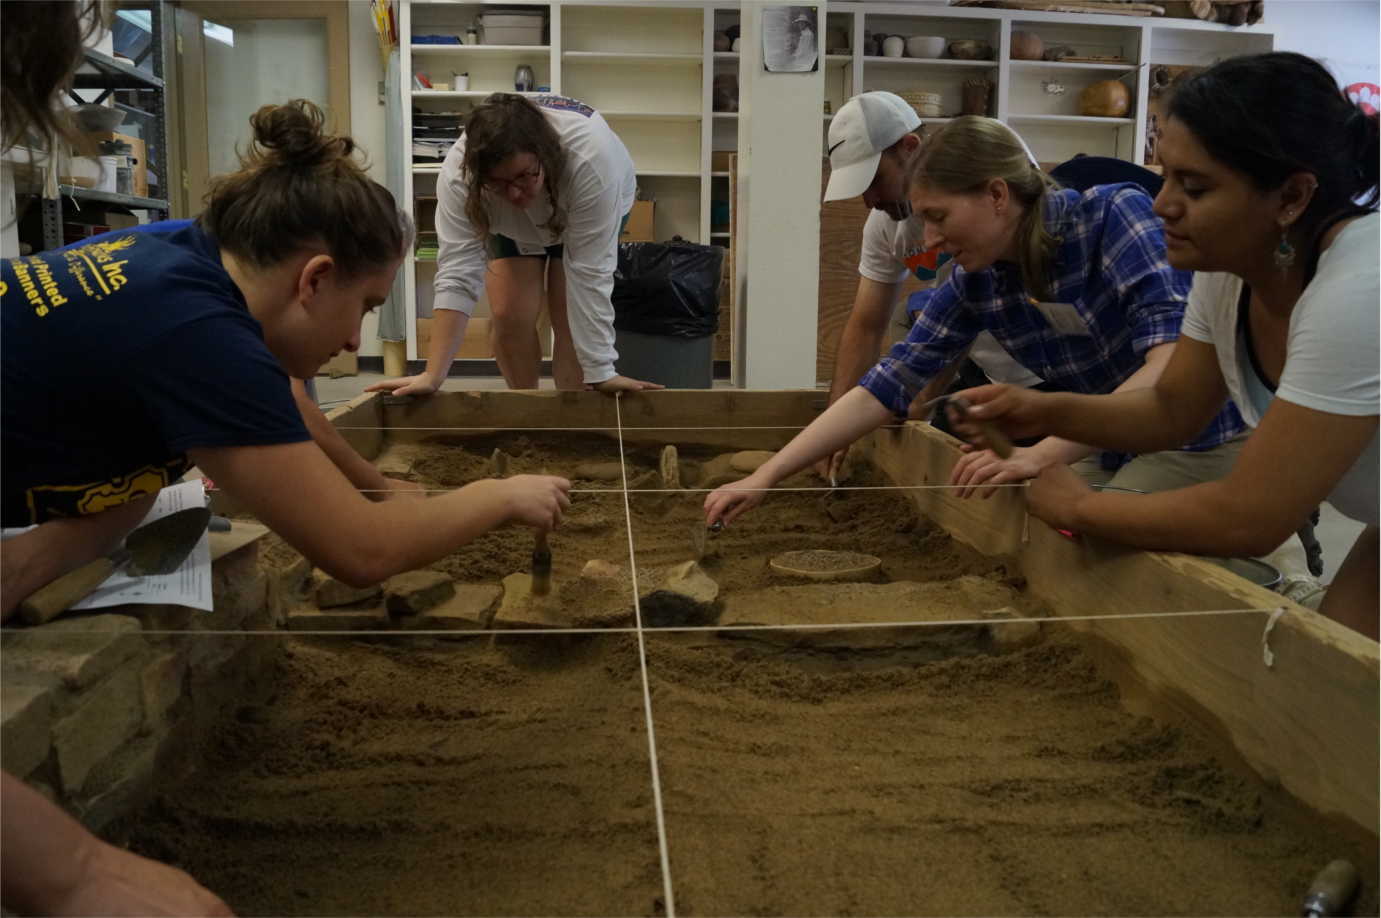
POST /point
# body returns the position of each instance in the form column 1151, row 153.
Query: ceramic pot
column 969, row 49
column 893, row 46
column 930, row 46
column 722, row 42
column 976, row 94
column 1027, row 46
column 1106, row 99
column 735, row 45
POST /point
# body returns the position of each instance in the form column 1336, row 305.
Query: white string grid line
column 669, row 901
column 1275, row 611
column 821, row 488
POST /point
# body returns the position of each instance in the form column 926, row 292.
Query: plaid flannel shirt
column 1114, row 298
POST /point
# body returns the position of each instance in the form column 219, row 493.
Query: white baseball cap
column 864, row 126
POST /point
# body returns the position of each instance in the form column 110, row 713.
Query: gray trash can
column 677, row 363
column 666, row 312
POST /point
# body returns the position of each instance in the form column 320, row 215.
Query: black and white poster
column 791, row 39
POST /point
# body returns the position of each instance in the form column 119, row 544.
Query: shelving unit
column 649, row 67
column 143, row 95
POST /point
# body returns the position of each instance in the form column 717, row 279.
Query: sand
column 511, row 775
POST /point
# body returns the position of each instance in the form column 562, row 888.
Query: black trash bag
column 668, row 288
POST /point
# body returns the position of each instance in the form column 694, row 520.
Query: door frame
column 195, row 162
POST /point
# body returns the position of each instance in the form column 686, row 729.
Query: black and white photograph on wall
column 790, row 39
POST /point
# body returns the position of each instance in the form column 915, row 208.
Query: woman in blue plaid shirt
column 1266, row 162
column 1076, row 287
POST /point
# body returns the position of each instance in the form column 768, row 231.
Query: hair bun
column 294, row 132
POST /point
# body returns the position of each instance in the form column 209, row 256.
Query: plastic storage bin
column 512, row 28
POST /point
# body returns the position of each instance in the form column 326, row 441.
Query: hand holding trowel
column 155, row 548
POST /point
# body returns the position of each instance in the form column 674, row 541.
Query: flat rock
column 415, row 592
column 305, row 619
column 330, row 593
column 682, row 595
column 670, row 467
column 395, row 466
column 874, row 606
column 718, row 471
column 1011, row 635
column 596, row 569
column 519, row 608
column 470, row 608
column 750, row 460
column 78, row 649
column 599, row 471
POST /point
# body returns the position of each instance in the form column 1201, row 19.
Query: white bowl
column 925, row 46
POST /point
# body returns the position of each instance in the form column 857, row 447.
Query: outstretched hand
column 616, row 384
column 984, row 467
column 728, row 502
column 421, row 384
column 1017, row 411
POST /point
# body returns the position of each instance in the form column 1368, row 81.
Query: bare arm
column 1288, row 466
column 842, row 423
column 296, row 491
column 361, row 473
column 53, row 866
column 861, row 341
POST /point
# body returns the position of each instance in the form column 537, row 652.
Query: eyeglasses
column 525, row 179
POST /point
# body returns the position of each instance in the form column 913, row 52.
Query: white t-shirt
column 892, row 249
column 597, row 190
column 1332, row 358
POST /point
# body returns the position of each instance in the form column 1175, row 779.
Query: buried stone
column 686, row 595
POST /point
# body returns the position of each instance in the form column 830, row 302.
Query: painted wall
column 367, row 124
column 1340, row 33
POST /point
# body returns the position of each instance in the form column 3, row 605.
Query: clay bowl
column 925, row 46
column 825, row 565
column 970, row 49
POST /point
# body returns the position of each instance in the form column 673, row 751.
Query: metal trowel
column 155, row 548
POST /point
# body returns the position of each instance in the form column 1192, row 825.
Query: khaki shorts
column 1166, row 470
column 1178, row 468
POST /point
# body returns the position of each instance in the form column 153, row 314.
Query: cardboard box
column 719, row 160
column 138, row 151
column 346, row 363
column 641, row 227
column 475, row 345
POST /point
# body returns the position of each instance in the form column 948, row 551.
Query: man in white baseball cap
column 872, row 141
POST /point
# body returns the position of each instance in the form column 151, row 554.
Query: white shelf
column 663, row 173
column 726, row 55
column 467, row 50
column 651, row 116
column 724, row 235
column 930, row 62
column 1072, row 119
column 426, row 168
column 630, row 57
column 838, row 58
column 466, row 93
column 731, row 115
column 1061, row 65
column 719, row 175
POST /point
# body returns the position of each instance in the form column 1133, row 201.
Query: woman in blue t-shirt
column 133, row 355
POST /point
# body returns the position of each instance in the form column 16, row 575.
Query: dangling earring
column 1284, row 254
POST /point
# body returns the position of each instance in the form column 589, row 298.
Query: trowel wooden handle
column 998, row 441
column 71, row 588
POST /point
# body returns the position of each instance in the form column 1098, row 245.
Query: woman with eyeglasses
column 533, row 195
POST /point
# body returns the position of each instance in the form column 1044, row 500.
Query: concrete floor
column 1335, row 532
